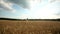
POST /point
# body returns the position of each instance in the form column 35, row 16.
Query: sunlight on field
column 29, row 27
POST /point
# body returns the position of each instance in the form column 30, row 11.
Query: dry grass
column 29, row 27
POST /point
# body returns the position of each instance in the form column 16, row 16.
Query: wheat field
column 29, row 27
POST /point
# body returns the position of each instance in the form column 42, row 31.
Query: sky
column 31, row 9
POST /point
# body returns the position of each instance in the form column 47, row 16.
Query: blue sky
column 37, row 9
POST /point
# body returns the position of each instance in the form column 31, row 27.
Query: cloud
column 47, row 11
column 58, row 13
column 51, row 1
column 23, row 3
column 6, row 6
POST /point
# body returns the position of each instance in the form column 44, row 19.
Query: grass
column 29, row 27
